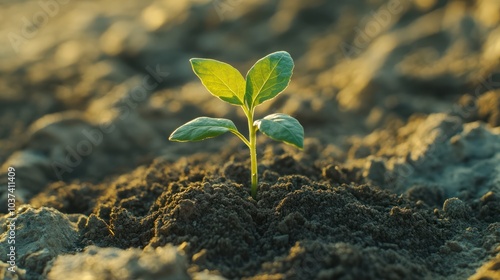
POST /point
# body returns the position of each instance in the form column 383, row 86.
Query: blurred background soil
column 399, row 178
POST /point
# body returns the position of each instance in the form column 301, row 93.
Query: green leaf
column 202, row 128
column 268, row 78
column 221, row 79
column 283, row 128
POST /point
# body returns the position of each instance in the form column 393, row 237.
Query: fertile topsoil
column 399, row 177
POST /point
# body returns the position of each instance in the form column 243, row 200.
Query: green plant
column 267, row 78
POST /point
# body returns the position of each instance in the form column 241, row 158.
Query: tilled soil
column 399, row 177
column 298, row 228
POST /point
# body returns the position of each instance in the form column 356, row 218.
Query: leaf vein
column 270, row 72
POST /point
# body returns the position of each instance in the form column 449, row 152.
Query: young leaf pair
column 267, row 78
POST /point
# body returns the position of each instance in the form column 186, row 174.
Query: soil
column 399, row 177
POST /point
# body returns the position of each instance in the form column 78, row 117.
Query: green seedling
column 267, row 78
